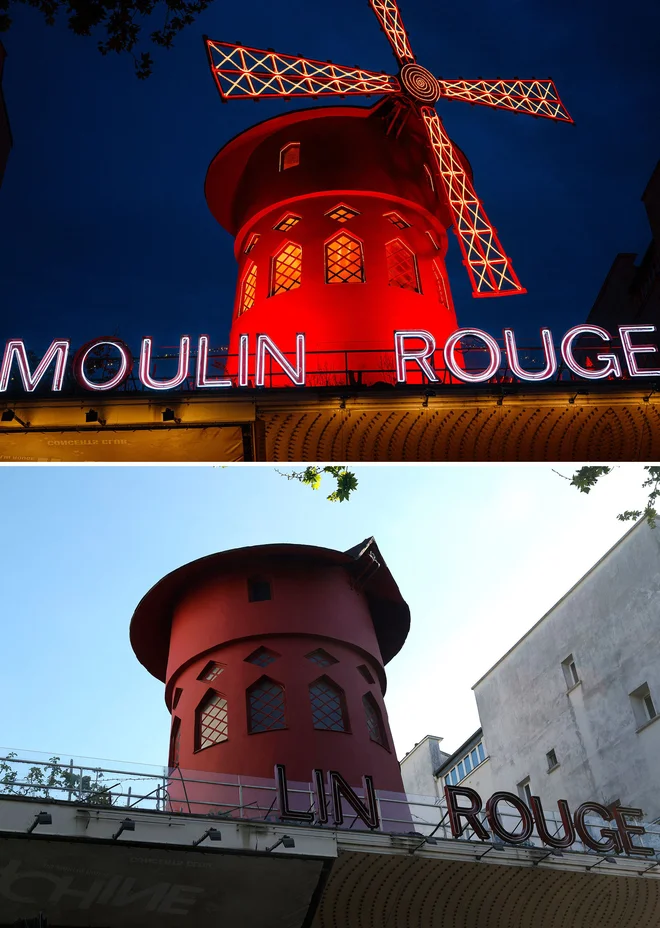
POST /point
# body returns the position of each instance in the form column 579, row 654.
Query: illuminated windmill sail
column 249, row 73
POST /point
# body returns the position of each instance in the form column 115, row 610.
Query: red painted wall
column 347, row 157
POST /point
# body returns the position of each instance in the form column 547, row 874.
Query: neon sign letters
column 465, row 809
column 413, row 350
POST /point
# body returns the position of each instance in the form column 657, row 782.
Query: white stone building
column 570, row 711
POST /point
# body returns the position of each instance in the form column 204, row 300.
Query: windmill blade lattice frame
column 487, row 264
column 532, row 97
column 252, row 73
column 241, row 72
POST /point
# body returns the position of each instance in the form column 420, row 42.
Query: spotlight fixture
column 92, row 416
column 213, row 834
column 495, row 846
column 169, row 416
column 553, row 853
column 9, row 415
column 127, row 824
column 609, row 860
column 285, row 840
column 41, row 818
column 428, row 839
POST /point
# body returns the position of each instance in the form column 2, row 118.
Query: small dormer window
column 258, row 590
column 290, row 156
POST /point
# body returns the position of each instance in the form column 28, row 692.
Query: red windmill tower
column 275, row 654
column 354, row 196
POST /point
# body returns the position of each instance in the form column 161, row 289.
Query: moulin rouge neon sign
column 465, row 809
column 413, row 350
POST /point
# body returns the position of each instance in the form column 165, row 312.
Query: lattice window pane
column 327, row 706
column 440, row 283
column 249, row 290
column 344, row 262
column 266, row 710
column 374, row 720
column 290, row 156
column 251, row 242
column 397, row 220
column 262, row 657
column 287, row 269
column 287, row 222
column 213, row 721
column 342, row 213
column 211, row 672
column 401, row 266
column 321, row 657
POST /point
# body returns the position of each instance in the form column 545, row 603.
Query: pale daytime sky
column 480, row 554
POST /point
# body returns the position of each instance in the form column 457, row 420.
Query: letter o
column 491, row 344
column 122, row 374
column 498, row 828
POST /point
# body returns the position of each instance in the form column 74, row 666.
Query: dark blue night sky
column 104, row 228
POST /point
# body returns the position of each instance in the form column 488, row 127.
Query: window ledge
column 646, row 724
column 574, row 687
column 554, row 767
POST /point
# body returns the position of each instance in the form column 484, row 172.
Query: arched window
column 286, row 269
column 211, row 723
column 175, row 742
column 401, row 266
column 328, row 705
column 290, row 156
column 440, row 283
column 344, row 260
column 374, row 719
column 248, row 289
column 266, row 707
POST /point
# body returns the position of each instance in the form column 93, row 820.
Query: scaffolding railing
column 171, row 790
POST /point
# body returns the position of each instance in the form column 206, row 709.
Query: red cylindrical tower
column 275, row 654
column 340, row 234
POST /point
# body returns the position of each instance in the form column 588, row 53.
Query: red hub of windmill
column 340, row 214
column 274, row 654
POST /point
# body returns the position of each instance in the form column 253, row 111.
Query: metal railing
column 354, row 368
column 172, row 790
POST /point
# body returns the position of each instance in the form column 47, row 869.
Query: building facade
column 631, row 292
column 572, row 709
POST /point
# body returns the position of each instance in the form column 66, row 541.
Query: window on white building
column 643, row 705
column 525, row 790
column 570, row 672
column 551, row 757
column 466, row 765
